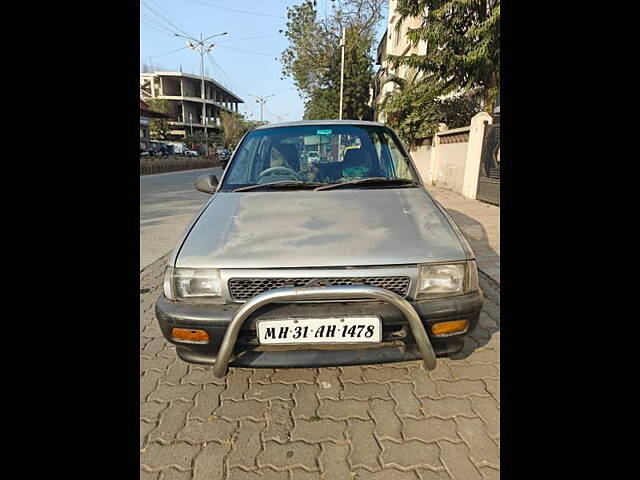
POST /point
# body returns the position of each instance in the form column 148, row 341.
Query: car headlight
column 444, row 280
column 188, row 283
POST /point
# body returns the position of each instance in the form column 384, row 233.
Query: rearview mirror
column 206, row 183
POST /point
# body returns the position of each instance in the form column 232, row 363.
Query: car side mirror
column 206, row 183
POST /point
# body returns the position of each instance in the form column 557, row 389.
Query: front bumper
column 399, row 341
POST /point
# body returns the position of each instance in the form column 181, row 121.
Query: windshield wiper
column 371, row 181
column 285, row 184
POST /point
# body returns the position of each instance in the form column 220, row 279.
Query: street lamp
column 202, row 48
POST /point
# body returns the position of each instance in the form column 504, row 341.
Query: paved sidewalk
column 480, row 223
column 394, row 421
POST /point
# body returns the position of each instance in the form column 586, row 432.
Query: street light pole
column 202, row 49
column 342, row 44
column 262, row 101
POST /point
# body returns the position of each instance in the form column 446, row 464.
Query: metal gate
column 489, row 178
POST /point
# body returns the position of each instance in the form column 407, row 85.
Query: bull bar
column 343, row 292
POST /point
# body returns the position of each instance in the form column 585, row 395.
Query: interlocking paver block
column 410, row 454
column 279, row 422
column 475, row 371
column 155, row 363
column 154, row 347
column 364, row 448
column 406, row 401
column 447, row 407
column 252, row 409
column 270, row 391
column 144, row 475
column 201, row 375
column 172, row 420
column 333, row 460
column 177, row 370
column 247, row 446
column 442, row 371
column 237, row 385
column 206, row 401
column 214, row 429
column 166, row 392
column 493, row 386
column 261, row 375
column 461, row 388
column 295, row 376
column 306, row 402
column 145, row 428
column 489, row 473
column 209, row 463
column 343, row 409
column 150, row 411
column 424, row 386
column 386, row 375
column 299, row 474
column 316, row 431
column 148, row 383
column 425, row 474
column 351, row 374
column 484, row 355
column 386, row 474
column 173, row 474
column 329, row 384
column 487, row 409
column 455, row 457
column 289, row 455
column 388, row 424
column 157, row 456
column 264, row 474
column 482, row 448
column 366, row 391
column 430, row 430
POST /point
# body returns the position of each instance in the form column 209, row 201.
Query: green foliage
column 313, row 57
column 159, row 127
column 416, row 109
column 234, row 126
column 463, row 39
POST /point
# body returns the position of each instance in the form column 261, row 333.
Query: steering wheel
column 273, row 170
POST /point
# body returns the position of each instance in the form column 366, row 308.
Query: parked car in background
column 190, row 153
column 313, row 157
column 351, row 262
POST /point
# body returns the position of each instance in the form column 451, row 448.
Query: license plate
column 294, row 331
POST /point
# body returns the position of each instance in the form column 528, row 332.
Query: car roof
column 302, row 123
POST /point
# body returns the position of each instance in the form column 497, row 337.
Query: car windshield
column 318, row 155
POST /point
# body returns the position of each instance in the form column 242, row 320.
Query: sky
column 246, row 60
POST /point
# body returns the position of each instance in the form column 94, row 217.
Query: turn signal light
column 447, row 328
column 189, row 335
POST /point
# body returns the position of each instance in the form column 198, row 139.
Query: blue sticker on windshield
column 323, row 132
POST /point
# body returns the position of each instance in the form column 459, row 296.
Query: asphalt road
column 168, row 202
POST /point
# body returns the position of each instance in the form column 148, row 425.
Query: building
column 146, row 113
column 184, row 94
column 393, row 43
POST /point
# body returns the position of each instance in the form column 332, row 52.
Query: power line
column 249, row 51
column 250, row 38
column 164, row 18
column 167, row 14
column 166, row 53
column 156, row 28
column 237, row 11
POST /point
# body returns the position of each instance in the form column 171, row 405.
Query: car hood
column 333, row 228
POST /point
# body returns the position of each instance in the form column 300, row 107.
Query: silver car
column 344, row 262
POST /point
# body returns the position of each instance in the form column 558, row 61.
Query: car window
column 326, row 154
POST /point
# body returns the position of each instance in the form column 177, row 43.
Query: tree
column 463, row 44
column 159, row 127
column 234, row 126
column 417, row 107
column 313, row 57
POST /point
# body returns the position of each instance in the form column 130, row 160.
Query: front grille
column 243, row 289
